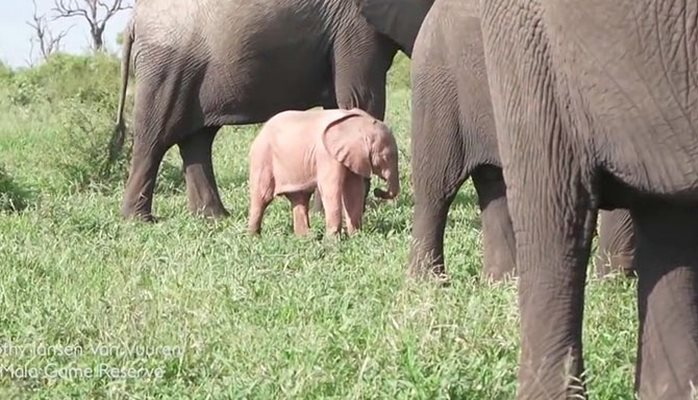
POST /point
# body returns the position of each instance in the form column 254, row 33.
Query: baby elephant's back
column 293, row 136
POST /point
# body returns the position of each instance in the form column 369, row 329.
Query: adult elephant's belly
column 242, row 61
column 253, row 88
column 634, row 91
column 274, row 56
column 646, row 133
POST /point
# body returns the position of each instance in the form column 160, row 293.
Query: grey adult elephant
column 203, row 64
column 595, row 108
column 453, row 138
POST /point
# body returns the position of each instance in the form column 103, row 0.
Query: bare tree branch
column 95, row 12
column 30, row 60
column 47, row 42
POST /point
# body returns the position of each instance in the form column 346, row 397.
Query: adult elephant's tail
column 118, row 135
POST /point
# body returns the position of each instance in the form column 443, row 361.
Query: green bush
column 78, row 96
column 89, row 79
column 5, row 72
column 13, row 197
column 24, row 91
column 83, row 138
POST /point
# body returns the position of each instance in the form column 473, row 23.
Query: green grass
column 270, row 318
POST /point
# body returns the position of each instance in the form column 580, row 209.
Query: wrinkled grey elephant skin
column 453, row 138
column 595, row 108
column 202, row 64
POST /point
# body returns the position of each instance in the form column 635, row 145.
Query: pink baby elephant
column 332, row 150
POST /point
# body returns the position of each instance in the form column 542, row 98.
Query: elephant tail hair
column 118, row 135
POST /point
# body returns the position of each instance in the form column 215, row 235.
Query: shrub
column 23, row 91
column 12, row 196
column 5, row 72
column 82, row 158
column 89, row 79
column 81, row 91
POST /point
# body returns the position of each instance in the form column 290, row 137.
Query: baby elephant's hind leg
column 261, row 194
column 300, row 202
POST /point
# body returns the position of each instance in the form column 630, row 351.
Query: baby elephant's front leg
column 353, row 199
column 330, row 184
column 332, row 202
column 301, row 222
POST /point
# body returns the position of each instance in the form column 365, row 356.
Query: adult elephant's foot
column 203, row 198
column 424, row 263
column 427, row 248
column 131, row 213
column 497, row 268
column 431, row 206
column 138, row 195
column 213, row 210
column 202, row 190
column 424, row 266
column 499, row 245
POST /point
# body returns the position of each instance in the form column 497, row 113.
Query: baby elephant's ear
column 346, row 141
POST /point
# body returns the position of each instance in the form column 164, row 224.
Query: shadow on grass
column 13, row 197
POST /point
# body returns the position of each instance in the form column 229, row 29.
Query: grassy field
column 97, row 307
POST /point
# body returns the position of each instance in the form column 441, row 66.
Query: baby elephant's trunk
column 393, row 180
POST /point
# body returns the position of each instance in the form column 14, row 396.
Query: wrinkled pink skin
column 332, row 150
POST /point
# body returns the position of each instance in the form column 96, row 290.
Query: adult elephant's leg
column 497, row 233
column 361, row 86
column 438, row 171
column 553, row 225
column 550, row 187
column 146, row 157
column 202, row 191
column 616, row 243
column 667, row 268
column 431, row 206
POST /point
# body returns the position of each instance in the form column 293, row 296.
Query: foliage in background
column 80, row 93
column 5, row 72
column 13, row 197
column 83, row 132
column 63, row 76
